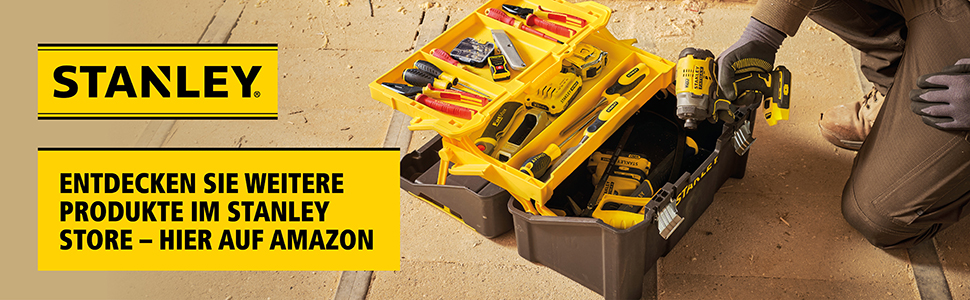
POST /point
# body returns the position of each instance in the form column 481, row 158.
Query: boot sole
column 844, row 144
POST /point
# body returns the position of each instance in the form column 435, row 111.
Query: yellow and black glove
column 743, row 68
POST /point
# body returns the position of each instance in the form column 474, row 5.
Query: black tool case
column 614, row 262
column 471, row 199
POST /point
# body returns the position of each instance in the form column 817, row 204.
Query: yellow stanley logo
column 156, row 81
column 683, row 193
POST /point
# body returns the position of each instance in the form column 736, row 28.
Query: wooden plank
column 223, row 22
column 217, row 32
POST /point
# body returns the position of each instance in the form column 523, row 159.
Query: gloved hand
column 753, row 52
column 943, row 98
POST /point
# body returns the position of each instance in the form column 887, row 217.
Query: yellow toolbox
column 544, row 60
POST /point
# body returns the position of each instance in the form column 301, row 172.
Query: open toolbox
column 611, row 261
column 454, row 173
column 471, row 199
column 544, row 59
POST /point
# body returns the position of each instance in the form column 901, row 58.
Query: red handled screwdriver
column 442, row 55
column 501, row 16
column 447, row 108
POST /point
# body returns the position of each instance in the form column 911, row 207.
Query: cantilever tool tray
column 544, row 60
column 574, row 80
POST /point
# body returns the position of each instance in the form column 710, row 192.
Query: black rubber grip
column 433, row 70
column 619, row 88
column 539, row 165
column 428, row 67
column 417, row 77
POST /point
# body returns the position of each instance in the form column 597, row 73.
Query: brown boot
column 847, row 125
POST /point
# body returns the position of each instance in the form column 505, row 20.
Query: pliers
column 531, row 17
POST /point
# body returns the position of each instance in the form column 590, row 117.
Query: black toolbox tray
column 613, row 262
column 476, row 202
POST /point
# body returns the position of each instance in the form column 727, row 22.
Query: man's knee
column 877, row 226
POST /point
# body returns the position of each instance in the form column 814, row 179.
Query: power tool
column 695, row 86
column 630, row 171
column 698, row 97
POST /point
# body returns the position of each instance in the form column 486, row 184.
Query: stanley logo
column 683, row 193
column 631, row 72
column 156, row 81
column 569, row 94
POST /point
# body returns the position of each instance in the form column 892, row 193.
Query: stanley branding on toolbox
column 156, row 81
column 683, row 193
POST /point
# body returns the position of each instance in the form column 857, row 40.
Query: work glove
column 743, row 67
column 943, row 98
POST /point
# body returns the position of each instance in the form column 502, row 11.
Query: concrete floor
column 778, row 233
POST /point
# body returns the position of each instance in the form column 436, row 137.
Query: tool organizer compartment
column 469, row 161
column 544, row 59
column 610, row 261
column 538, row 53
column 471, row 199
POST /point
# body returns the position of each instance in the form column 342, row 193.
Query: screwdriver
column 538, row 165
column 430, row 68
column 501, row 16
column 442, row 55
column 497, row 126
column 625, row 83
column 417, row 77
column 447, row 108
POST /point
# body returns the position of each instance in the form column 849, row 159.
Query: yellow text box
column 317, row 209
column 156, row 81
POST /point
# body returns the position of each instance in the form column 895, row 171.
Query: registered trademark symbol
column 256, row 94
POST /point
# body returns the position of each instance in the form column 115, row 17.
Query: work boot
column 847, row 125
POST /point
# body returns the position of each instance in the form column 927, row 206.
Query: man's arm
column 784, row 15
column 771, row 22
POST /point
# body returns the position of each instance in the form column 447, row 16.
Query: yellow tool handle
column 604, row 116
column 629, row 80
column 625, row 83
column 497, row 127
column 537, row 165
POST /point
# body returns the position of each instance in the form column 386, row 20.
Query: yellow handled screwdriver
column 625, row 83
column 538, row 165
